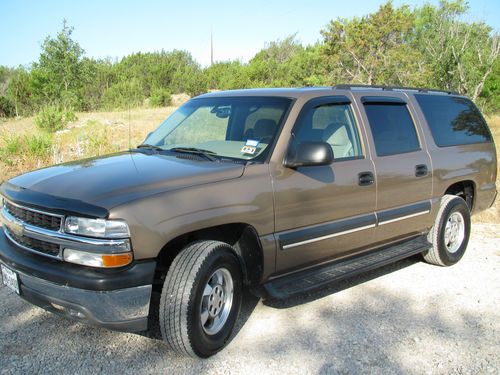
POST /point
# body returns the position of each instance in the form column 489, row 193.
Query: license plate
column 10, row 280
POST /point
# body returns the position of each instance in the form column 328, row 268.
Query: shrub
column 69, row 116
column 7, row 109
column 18, row 149
column 11, row 147
column 38, row 146
column 53, row 118
column 123, row 94
column 160, row 97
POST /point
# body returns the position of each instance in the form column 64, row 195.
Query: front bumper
column 116, row 299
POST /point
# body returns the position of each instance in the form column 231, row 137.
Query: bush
column 7, row 109
column 11, row 146
column 69, row 116
column 123, row 94
column 38, row 146
column 53, row 118
column 18, row 149
column 160, row 97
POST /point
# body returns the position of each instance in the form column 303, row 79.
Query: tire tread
column 176, row 295
column 432, row 256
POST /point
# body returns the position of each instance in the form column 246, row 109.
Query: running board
column 317, row 277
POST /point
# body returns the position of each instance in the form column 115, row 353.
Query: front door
column 325, row 212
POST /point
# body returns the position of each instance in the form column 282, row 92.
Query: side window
column 453, row 120
column 332, row 123
column 392, row 128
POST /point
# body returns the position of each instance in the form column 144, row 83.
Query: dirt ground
column 409, row 317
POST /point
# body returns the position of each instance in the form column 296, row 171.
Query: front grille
column 34, row 218
column 44, row 247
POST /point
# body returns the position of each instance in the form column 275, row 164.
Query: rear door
column 402, row 164
column 324, row 212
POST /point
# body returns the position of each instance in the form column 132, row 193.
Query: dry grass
column 104, row 132
column 92, row 134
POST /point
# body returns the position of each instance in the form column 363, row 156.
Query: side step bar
column 317, row 277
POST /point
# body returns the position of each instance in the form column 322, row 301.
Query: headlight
column 97, row 260
column 99, row 228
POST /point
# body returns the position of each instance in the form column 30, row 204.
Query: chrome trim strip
column 68, row 240
column 404, row 217
column 328, row 236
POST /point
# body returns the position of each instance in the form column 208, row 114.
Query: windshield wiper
column 150, row 147
column 197, row 151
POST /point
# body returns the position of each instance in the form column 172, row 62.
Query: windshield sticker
column 252, row 143
column 248, row 150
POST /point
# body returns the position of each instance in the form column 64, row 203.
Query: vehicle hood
column 115, row 179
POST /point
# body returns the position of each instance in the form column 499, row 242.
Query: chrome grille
column 39, row 246
column 34, row 217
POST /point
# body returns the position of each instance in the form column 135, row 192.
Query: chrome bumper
column 121, row 309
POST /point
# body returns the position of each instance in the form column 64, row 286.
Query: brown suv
column 280, row 190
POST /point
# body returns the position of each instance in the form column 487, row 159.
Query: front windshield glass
column 231, row 127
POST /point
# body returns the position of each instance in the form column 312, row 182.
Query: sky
column 116, row 28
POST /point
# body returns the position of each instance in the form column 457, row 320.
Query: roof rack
column 393, row 88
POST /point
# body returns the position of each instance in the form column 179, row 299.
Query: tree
column 461, row 54
column 57, row 76
column 490, row 96
column 226, row 76
column 19, row 91
column 374, row 49
column 286, row 63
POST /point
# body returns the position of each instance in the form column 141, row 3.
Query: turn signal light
column 116, row 260
column 97, row 260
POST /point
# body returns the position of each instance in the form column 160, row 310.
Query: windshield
column 231, row 127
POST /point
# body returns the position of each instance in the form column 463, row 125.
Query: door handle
column 421, row 170
column 365, row 178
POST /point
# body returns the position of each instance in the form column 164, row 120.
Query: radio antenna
column 129, row 130
column 211, row 46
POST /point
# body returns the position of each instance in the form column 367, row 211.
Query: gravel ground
column 409, row 317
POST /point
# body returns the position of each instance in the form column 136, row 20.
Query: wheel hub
column 454, row 232
column 216, row 302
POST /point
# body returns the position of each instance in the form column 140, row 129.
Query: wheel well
column 242, row 237
column 465, row 190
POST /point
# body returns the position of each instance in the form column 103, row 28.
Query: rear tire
column 201, row 299
column 450, row 234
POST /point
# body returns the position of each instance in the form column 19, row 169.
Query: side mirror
column 308, row 154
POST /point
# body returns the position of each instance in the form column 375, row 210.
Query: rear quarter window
column 453, row 120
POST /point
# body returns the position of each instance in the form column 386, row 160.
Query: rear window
column 453, row 120
column 392, row 128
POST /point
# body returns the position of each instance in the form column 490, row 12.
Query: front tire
column 201, row 299
column 450, row 234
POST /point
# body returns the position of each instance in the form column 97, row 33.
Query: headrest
column 264, row 128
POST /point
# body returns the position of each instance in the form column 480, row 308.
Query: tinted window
column 453, row 120
column 392, row 128
column 332, row 123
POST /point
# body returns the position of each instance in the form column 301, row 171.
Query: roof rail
column 393, row 88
